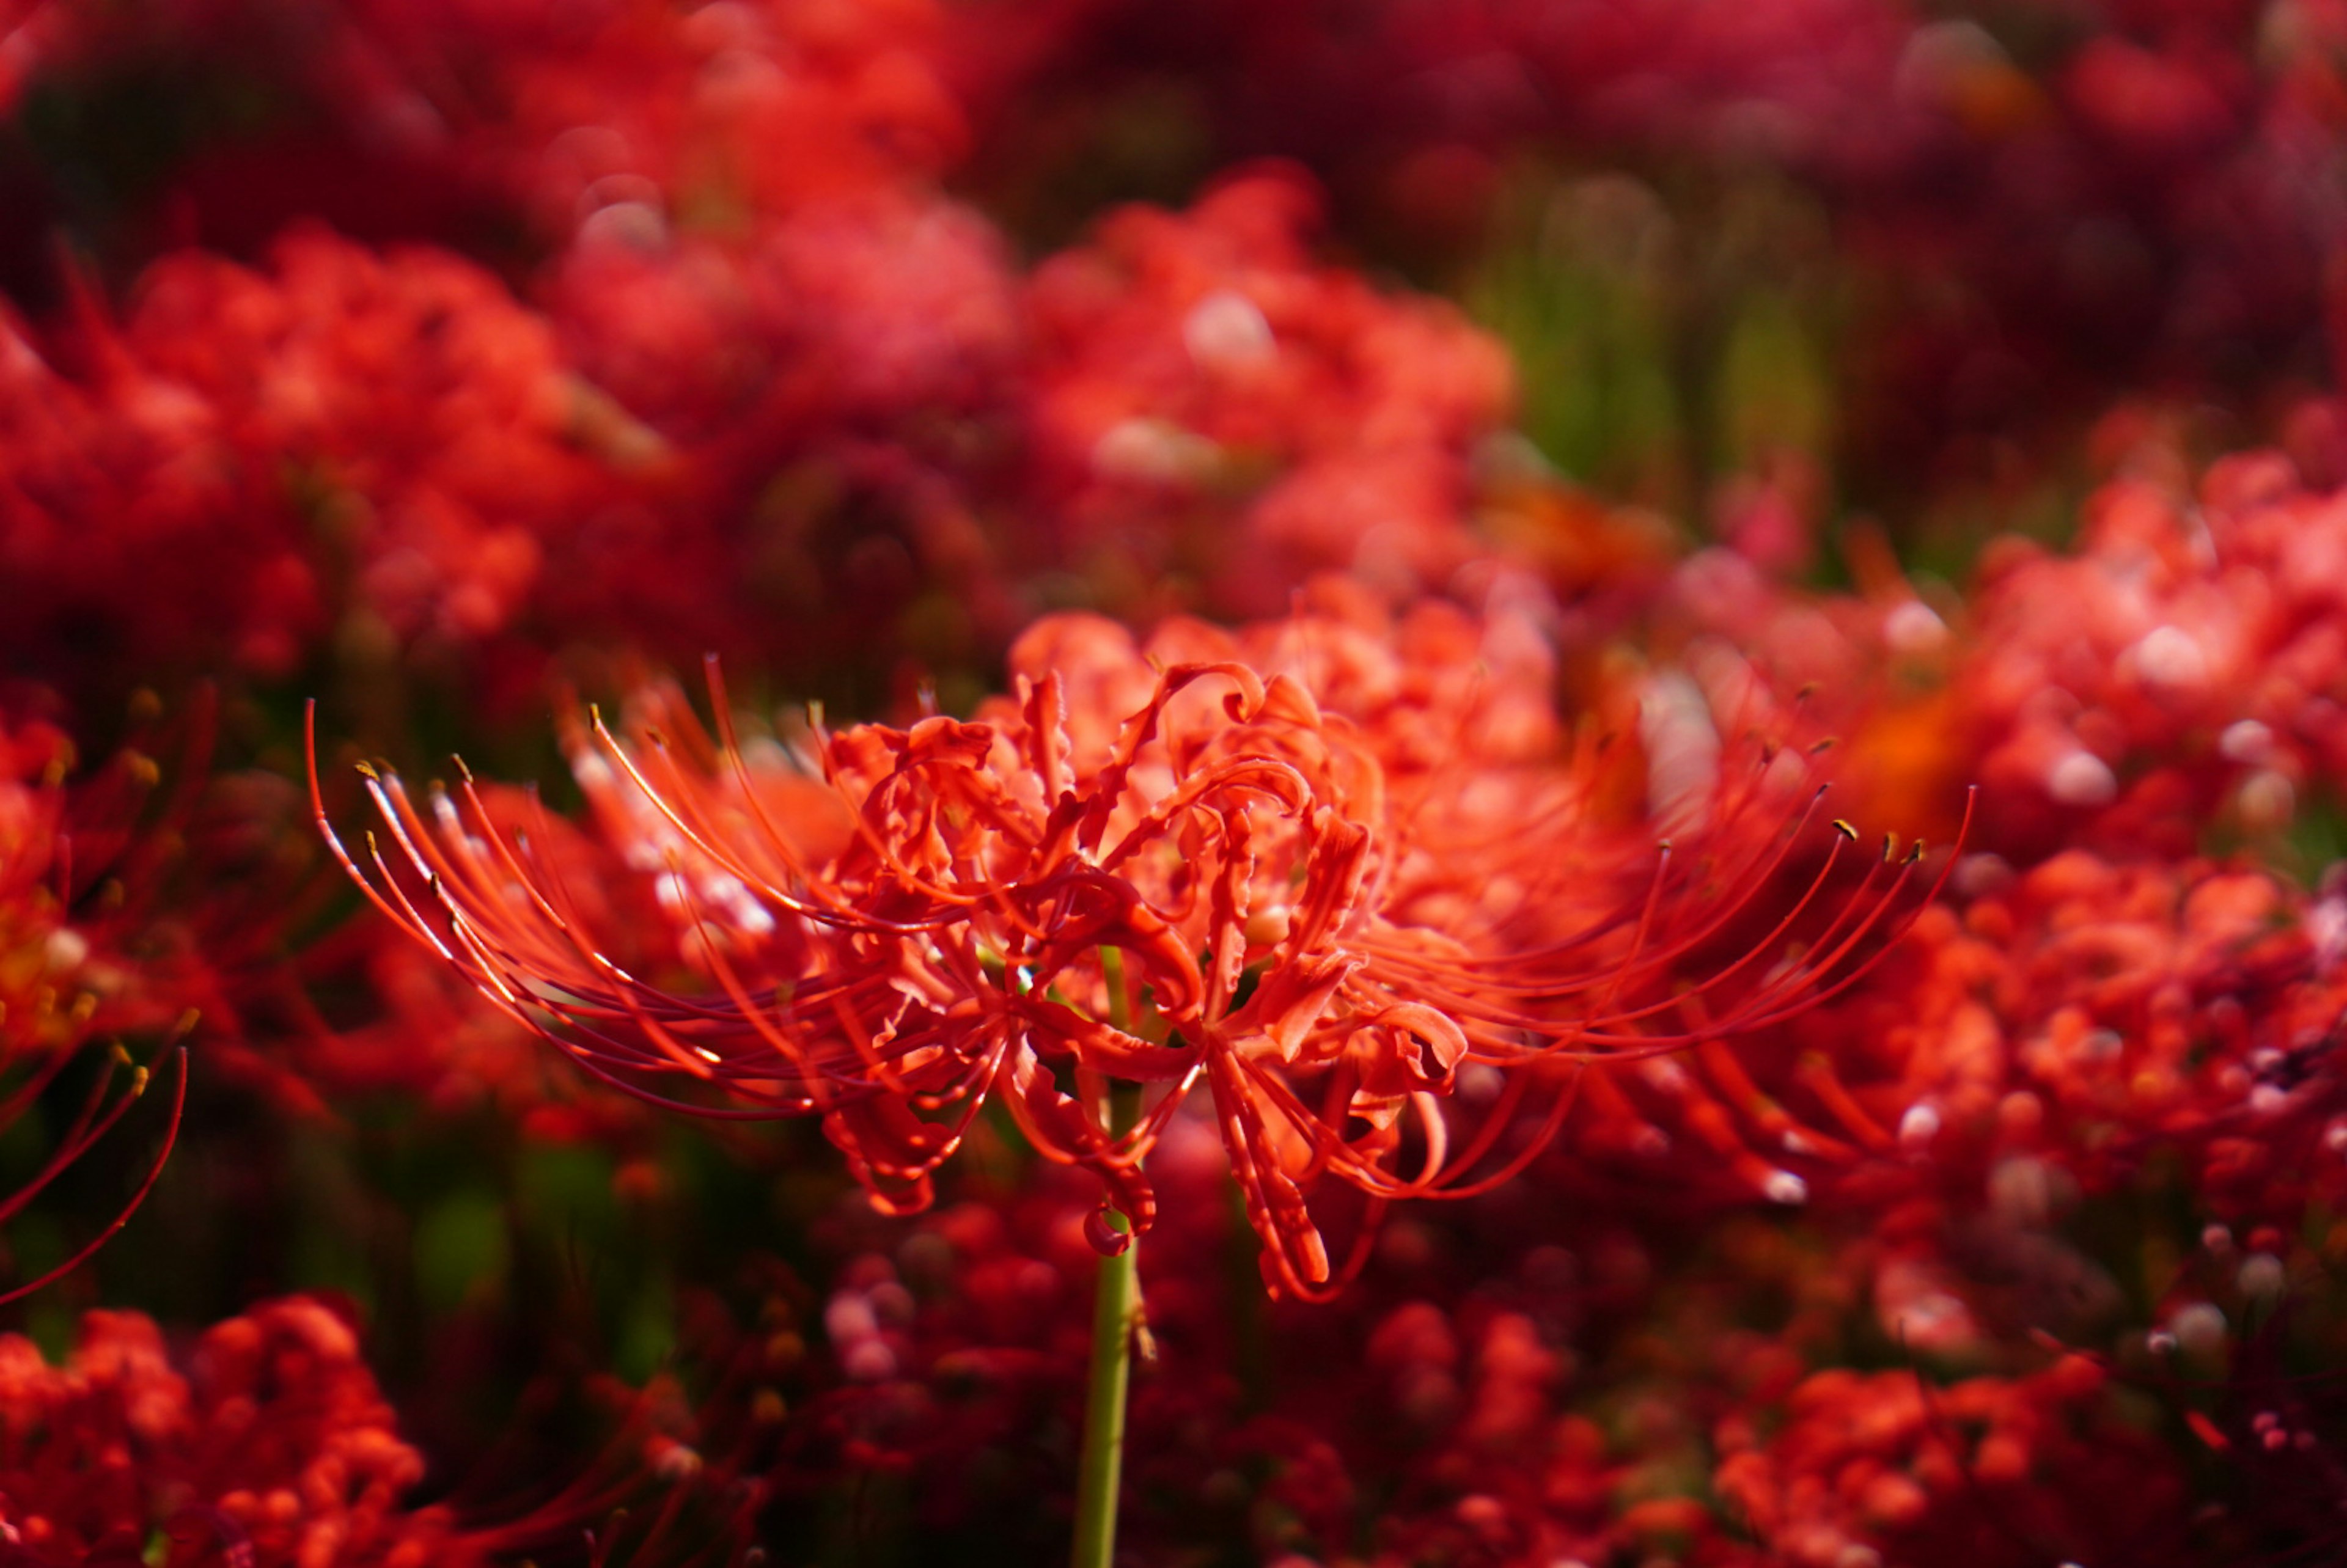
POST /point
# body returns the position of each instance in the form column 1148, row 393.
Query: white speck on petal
column 2245, row 740
column 624, row 225
column 1226, row 330
column 66, row 949
column 2263, row 1276
column 848, row 1316
column 1784, row 1187
column 1914, row 627
column 2199, row 1327
column 2171, row 657
column 2082, row 778
column 869, row 1361
column 2266, row 801
column 1153, row 451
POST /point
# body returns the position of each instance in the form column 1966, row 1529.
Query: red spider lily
column 2080, row 1021
column 1185, row 357
column 1142, row 875
column 1990, row 1470
column 2192, row 676
column 434, row 1039
column 78, row 952
column 385, row 444
column 268, row 1445
column 2174, row 667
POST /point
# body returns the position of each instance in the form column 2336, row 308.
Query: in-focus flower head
column 1314, row 866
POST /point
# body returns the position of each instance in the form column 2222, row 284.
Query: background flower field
column 1485, row 440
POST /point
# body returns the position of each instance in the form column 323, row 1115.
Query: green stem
column 1115, row 1300
column 1116, row 1310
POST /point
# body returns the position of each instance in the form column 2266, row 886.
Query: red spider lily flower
column 268, row 1444
column 2192, row 676
column 758, row 109
column 2174, row 668
column 547, row 119
column 1876, row 668
column 81, row 958
column 385, row 446
column 2173, row 671
column 1927, row 141
column 1182, row 359
column 2049, row 1033
column 435, row 1040
column 2040, row 1036
column 1990, row 1472
column 1141, row 873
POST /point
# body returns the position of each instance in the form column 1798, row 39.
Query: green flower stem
column 1116, row 1301
column 1116, row 1314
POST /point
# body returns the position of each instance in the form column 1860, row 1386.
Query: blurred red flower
column 1213, row 402
column 268, row 1444
column 1990, row 1471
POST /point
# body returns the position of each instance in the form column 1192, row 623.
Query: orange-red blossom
column 1146, row 873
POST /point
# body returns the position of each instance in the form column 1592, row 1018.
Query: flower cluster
column 84, row 956
column 2038, row 211
column 268, row 1444
column 767, row 386
column 1987, row 1470
column 1264, row 861
column 379, row 450
column 1326, row 607
column 1280, row 418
